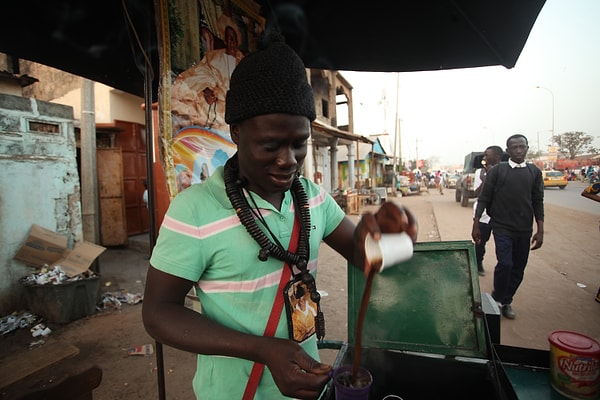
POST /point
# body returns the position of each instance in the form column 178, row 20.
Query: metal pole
column 553, row 133
column 160, row 364
column 357, row 169
column 417, row 152
column 400, row 142
column 551, row 94
column 397, row 122
column 148, row 74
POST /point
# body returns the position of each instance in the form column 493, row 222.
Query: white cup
column 390, row 249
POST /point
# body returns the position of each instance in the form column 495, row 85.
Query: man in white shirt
column 514, row 191
column 491, row 157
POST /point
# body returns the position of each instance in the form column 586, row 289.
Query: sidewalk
column 125, row 268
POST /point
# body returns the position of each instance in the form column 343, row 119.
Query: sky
column 446, row 114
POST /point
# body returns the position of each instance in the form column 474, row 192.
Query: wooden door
column 113, row 224
column 132, row 141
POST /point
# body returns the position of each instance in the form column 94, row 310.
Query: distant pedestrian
column 491, row 157
column 145, row 194
column 589, row 174
column 441, row 182
column 513, row 195
column 593, row 192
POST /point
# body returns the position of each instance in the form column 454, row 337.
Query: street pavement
column 561, row 278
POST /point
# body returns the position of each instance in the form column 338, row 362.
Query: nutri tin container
column 574, row 365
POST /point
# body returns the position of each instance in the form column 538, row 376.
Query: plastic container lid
column 574, row 342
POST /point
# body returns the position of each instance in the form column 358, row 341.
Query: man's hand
column 390, row 218
column 537, row 240
column 475, row 232
column 295, row 373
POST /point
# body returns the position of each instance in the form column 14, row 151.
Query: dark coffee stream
column 364, row 303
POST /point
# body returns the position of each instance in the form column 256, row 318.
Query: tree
column 534, row 155
column 572, row 144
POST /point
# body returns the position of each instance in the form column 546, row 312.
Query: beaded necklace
column 234, row 187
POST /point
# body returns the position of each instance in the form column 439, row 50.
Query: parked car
column 465, row 186
column 554, row 179
column 451, row 181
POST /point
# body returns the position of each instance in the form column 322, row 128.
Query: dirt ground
column 558, row 293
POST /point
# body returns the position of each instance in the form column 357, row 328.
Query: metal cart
column 429, row 333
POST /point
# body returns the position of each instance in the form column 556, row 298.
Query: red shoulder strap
column 257, row 368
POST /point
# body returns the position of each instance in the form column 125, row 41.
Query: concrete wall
column 63, row 88
column 39, row 183
column 52, row 83
column 110, row 104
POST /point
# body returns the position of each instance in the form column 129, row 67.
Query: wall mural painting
column 202, row 42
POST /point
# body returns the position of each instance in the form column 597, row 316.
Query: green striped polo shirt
column 202, row 240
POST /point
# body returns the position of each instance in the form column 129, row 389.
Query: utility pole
column 417, row 151
column 399, row 122
column 384, row 102
column 89, row 174
column 551, row 95
column 397, row 130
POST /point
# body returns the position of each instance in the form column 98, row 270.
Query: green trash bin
column 65, row 302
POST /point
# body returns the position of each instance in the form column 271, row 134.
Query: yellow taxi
column 554, row 179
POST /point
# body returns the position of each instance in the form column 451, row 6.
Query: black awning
column 322, row 133
column 112, row 41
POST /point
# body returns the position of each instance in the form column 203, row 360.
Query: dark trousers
column 512, row 254
column 485, row 230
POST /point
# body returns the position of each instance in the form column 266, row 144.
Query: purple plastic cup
column 346, row 389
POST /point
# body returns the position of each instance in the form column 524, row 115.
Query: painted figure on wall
column 199, row 138
column 198, row 94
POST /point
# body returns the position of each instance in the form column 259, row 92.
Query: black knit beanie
column 270, row 80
